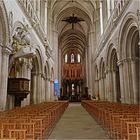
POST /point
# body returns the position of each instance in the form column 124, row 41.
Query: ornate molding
column 6, row 50
column 128, row 60
column 138, row 15
column 20, row 39
column 33, row 19
column 111, row 25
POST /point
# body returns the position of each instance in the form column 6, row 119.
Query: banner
column 56, row 87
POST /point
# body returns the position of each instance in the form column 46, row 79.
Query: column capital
column 37, row 73
column 48, row 79
column 29, row 65
column 133, row 59
column 101, row 1
column 128, row 60
column 99, row 78
column 91, row 32
column 138, row 15
column 120, row 62
column 43, row 75
column 6, row 50
column 51, row 80
column 34, row 73
column 56, row 31
column 108, row 70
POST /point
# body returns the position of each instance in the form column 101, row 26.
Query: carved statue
column 20, row 38
column 21, row 44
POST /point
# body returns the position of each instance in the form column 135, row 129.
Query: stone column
column 87, row 73
column 47, row 89
column 120, row 64
column 49, row 27
column 108, row 8
column 100, row 88
column 60, row 68
column 24, row 69
column 98, row 22
column 46, row 16
column 28, row 76
column 34, row 87
column 43, row 88
column 138, row 59
column 126, row 82
column 56, row 59
column 0, row 62
column 4, row 77
column 91, row 48
column 26, row 73
column 112, row 4
column 101, row 16
column 114, row 86
column 107, row 83
column 104, row 13
column 110, row 86
column 29, row 68
column 105, row 88
column 52, row 90
column 38, row 9
column 135, row 83
column 39, row 87
column 104, row 82
column 96, row 88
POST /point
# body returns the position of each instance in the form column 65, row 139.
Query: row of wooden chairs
column 31, row 122
column 122, row 121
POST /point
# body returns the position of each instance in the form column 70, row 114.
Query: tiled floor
column 77, row 124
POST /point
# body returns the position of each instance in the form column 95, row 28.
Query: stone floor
column 77, row 124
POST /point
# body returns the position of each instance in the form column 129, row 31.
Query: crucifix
column 73, row 20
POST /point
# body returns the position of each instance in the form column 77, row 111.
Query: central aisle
column 76, row 123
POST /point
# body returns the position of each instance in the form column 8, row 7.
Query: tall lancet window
column 66, row 58
column 72, row 58
column 78, row 58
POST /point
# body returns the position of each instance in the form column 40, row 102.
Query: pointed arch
column 97, row 83
column 130, row 56
column 102, row 77
column 113, row 70
column 128, row 30
column 36, row 73
column 102, row 68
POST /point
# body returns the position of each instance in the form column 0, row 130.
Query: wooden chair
column 7, row 139
column 18, row 134
column 131, row 130
column 138, row 133
column 32, row 121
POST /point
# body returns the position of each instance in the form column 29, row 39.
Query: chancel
column 77, row 60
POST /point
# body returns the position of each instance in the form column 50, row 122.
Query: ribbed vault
column 72, row 39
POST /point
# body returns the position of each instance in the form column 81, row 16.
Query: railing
column 111, row 24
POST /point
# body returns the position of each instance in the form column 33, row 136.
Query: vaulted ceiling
column 72, row 36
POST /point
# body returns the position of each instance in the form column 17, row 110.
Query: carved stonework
column 20, row 38
column 73, row 72
column 11, row 18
